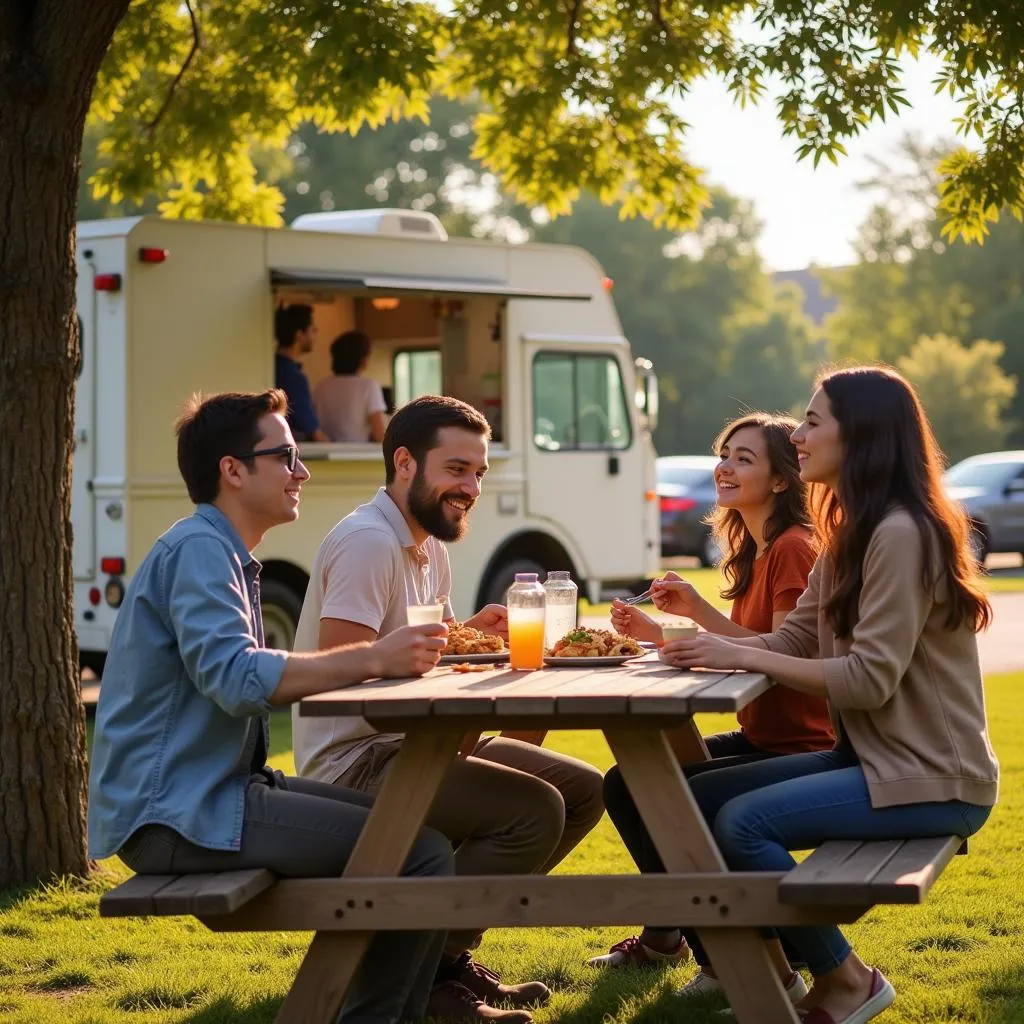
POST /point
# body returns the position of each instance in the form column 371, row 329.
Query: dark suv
column 686, row 491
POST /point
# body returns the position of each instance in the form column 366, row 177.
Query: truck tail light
column 677, row 504
column 107, row 282
column 114, row 592
column 112, row 566
column 148, row 254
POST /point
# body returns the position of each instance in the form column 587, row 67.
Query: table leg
column 398, row 813
column 685, row 843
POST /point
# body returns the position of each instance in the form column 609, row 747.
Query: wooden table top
column 638, row 688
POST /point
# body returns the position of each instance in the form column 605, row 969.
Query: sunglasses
column 285, row 449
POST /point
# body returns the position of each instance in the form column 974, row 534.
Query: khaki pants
column 510, row 808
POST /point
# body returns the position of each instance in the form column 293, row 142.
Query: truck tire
column 505, row 575
column 281, row 609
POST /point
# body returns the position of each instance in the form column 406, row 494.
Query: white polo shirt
column 368, row 570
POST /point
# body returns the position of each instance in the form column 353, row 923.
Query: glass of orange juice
column 525, row 602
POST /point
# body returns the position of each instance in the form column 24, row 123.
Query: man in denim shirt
column 178, row 780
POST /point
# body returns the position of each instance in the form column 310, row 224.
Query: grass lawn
column 957, row 958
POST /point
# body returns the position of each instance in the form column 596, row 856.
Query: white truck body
column 526, row 333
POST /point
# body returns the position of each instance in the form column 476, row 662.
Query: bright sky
column 809, row 216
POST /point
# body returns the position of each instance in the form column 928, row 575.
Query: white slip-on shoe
column 796, row 989
column 700, row 984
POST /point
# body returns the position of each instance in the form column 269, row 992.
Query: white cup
column 669, row 633
column 424, row 614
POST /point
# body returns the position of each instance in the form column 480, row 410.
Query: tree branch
column 150, row 128
column 659, row 18
column 570, row 48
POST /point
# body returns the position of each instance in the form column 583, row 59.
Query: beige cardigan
column 908, row 689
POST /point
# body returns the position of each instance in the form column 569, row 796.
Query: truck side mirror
column 647, row 392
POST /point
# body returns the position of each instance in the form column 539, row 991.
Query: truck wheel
column 499, row 581
column 281, row 609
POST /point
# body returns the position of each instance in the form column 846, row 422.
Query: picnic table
column 646, row 712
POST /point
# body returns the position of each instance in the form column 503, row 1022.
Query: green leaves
column 964, row 391
column 575, row 94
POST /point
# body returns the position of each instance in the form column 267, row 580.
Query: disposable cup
column 669, row 633
column 424, row 614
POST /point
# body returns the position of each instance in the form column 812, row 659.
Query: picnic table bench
column 645, row 711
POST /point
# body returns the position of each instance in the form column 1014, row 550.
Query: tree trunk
column 50, row 54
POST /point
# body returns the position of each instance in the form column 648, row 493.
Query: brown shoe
column 451, row 1001
column 486, row 985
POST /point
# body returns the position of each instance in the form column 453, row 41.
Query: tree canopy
column 574, row 97
column 909, row 284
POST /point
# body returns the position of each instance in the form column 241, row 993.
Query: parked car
column 686, row 492
column 991, row 488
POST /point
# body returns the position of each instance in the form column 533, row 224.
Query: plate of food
column 592, row 648
column 472, row 646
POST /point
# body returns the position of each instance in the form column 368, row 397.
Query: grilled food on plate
column 464, row 639
column 594, row 643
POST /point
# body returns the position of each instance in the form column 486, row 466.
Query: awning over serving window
column 400, row 285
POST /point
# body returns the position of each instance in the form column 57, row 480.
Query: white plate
column 593, row 662
column 487, row 658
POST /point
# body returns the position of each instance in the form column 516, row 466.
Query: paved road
column 1002, row 646
column 1002, row 649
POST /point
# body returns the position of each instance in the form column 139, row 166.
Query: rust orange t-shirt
column 783, row 720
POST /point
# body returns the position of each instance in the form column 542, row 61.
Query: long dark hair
column 891, row 458
column 738, row 543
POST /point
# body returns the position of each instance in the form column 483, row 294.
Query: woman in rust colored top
column 762, row 525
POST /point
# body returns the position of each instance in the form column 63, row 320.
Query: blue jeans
column 725, row 749
column 760, row 811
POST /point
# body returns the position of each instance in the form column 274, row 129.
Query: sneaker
column 451, row 1001
column 702, row 984
column 486, row 985
column 796, row 989
column 632, row 952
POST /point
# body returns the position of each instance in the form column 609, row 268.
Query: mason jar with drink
column 525, row 603
column 560, row 606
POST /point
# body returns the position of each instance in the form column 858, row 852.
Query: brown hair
column 348, row 352
column 416, row 424
column 289, row 320
column 790, row 508
column 224, row 424
column 891, row 458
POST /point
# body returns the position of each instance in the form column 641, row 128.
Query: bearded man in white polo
column 510, row 807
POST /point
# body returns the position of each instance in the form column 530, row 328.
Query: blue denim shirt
column 293, row 382
column 182, row 716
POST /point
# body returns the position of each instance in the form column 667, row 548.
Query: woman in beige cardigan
column 887, row 630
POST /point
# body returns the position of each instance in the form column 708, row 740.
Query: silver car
column 991, row 488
